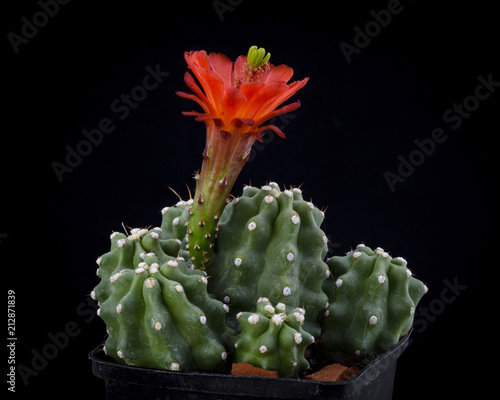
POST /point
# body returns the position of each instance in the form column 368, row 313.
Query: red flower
column 237, row 98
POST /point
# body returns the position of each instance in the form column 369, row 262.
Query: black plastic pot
column 374, row 382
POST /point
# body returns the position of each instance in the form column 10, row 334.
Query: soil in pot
column 330, row 373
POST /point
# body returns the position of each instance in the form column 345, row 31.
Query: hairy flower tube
column 237, row 98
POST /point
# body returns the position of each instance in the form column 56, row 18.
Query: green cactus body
column 272, row 338
column 156, row 307
column 270, row 245
column 174, row 227
column 372, row 301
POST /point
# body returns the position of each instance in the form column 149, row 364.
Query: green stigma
column 257, row 56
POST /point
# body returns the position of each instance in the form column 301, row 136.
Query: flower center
column 257, row 57
column 257, row 63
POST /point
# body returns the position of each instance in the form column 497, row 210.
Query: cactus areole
column 246, row 280
column 237, row 98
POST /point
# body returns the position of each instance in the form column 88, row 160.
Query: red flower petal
column 281, row 73
column 212, row 85
column 232, row 101
column 197, row 59
column 283, row 110
column 222, row 66
column 274, row 128
column 190, row 96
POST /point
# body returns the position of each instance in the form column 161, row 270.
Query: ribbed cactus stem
column 372, row 300
column 270, row 245
column 223, row 158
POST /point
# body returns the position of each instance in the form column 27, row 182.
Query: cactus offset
column 372, row 302
column 272, row 338
column 156, row 307
column 270, row 245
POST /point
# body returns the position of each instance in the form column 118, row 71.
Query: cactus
column 272, row 338
column 270, row 245
column 181, row 295
column 156, row 307
column 174, row 228
column 372, row 302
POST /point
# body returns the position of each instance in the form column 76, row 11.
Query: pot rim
column 211, row 382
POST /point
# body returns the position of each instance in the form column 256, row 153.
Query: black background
column 356, row 119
